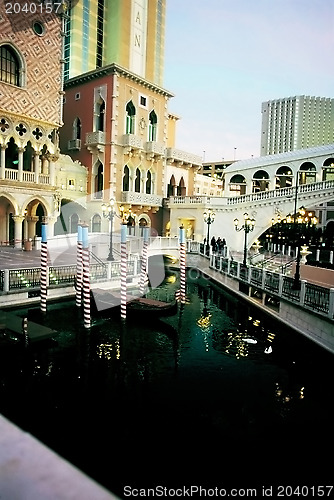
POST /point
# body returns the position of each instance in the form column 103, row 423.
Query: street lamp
column 209, row 217
column 247, row 227
column 302, row 220
column 108, row 213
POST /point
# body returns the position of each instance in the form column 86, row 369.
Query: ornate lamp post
column 109, row 212
column 247, row 227
column 302, row 221
column 209, row 217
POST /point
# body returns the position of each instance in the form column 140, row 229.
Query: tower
column 298, row 122
column 129, row 33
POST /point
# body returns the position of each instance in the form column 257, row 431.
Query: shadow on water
column 189, row 399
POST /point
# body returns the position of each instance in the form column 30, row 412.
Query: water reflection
column 183, row 386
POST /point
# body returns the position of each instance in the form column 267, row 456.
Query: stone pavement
column 15, row 258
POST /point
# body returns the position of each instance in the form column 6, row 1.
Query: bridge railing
column 18, row 280
column 310, row 296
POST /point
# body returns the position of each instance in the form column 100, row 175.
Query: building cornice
column 115, row 69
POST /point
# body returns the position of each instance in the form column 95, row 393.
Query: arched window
column 96, row 223
column 27, row 157
column 307, row 173
column 152, row 126
column 260, row 181
column 238, row 184
column 74, row 221
column 9, row 66
column 100, row 113
column 283, row 177
column 126, row 178
column 77, row 128
column 328, row 170
column 130, row 118
column 148, row 182
column 171, row 186
column 12, row 155
column 181, row 188
column 137, row 181
column 99, row 182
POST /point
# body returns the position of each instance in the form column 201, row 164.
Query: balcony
column 74, row 145
column 176, row 155
column 95, row 140
column 134, row 198
column 132, row 142
column 154, row 149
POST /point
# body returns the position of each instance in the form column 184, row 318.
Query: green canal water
column 217, row 394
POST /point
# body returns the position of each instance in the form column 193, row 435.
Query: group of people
column 217, row 245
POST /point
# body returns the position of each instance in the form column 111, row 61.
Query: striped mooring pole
column 85, row 277
column 44, row 267
column 143, row 272
column 78, row 289
column 124, row 229
column 182, row 265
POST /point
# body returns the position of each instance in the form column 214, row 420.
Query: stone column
column 36, row 166
column 31, row 223
column 3, row 161
column 20, row 170
column 18, row 219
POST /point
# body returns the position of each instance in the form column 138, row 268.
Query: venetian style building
column 116, row 111
column 33, row 176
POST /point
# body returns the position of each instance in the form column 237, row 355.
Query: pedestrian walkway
column 14, row 258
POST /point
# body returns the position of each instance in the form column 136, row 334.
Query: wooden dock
column 36, row 332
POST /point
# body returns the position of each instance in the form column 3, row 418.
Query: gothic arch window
column 137, row 181
column 10, row 66
column 96, row 223
column 77, row 128
column 12, row 155
column 152, row 126
column 126, row 178
column 99, row 182
column 100, row 114
column 181, row 188
column 27, row 157
column 171, row 186
column 130, row 118
column 148, row 187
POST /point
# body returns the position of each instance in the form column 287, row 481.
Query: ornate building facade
column 117, row 121
column 33, row 177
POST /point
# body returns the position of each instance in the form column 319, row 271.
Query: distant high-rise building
column 126, row 32
column 297, row 122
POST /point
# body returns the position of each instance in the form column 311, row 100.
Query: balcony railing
column 177, row 155
column 155, row 148
column 95, row 139
column 141, row 199
column 132, row 141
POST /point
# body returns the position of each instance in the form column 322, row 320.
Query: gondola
column 105, row 301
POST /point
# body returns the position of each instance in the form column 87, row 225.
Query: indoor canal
column 216, row 394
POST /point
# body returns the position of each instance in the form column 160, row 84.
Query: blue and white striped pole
column 78, row 291
column 44, row 267
column 143, row 274
column 124, row 229
column 85, row 277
